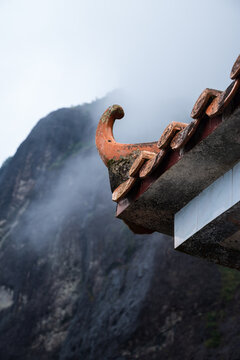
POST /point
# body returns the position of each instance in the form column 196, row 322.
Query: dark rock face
column 75, row 283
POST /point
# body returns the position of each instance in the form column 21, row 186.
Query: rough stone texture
column 119, row 170
column 79, row 284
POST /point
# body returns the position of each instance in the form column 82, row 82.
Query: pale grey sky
column 57, row 53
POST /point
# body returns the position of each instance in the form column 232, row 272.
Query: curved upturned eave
column 107, row 146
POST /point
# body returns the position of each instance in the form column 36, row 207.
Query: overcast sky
column 57, row 53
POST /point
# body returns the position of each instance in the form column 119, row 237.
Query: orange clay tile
column 175, row 136
column 123, row 189
column 202, row 102
column 107, row 147
column 136, row 166
column 169, row 133
column 222, row 100
column 184, row 135
column 152, row 164
column 235, row 73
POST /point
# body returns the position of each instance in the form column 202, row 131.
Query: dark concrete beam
column 195, row 170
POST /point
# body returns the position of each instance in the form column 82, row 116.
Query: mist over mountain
column 76, row 284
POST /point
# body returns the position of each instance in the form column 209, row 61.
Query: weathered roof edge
column 176, row 140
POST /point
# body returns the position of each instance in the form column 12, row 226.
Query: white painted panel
column 210, row 203
column 188, row 218
column 236, row 184
column 214, row 200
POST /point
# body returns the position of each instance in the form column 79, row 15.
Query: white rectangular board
column 221, row 195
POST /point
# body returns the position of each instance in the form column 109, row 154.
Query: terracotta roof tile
column 169, row 133
column 152, row 164
column 123, row 189
column 202, row 102
column 184, row 135
column 136, row 166
column 150, row 160
column 222, row 100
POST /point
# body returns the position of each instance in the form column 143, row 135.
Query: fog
column 70, row 192
column 78, row 281
column 162, row 54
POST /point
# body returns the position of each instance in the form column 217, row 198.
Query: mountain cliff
column 75, row 283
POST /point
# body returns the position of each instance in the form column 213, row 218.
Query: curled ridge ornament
column 107, row 146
